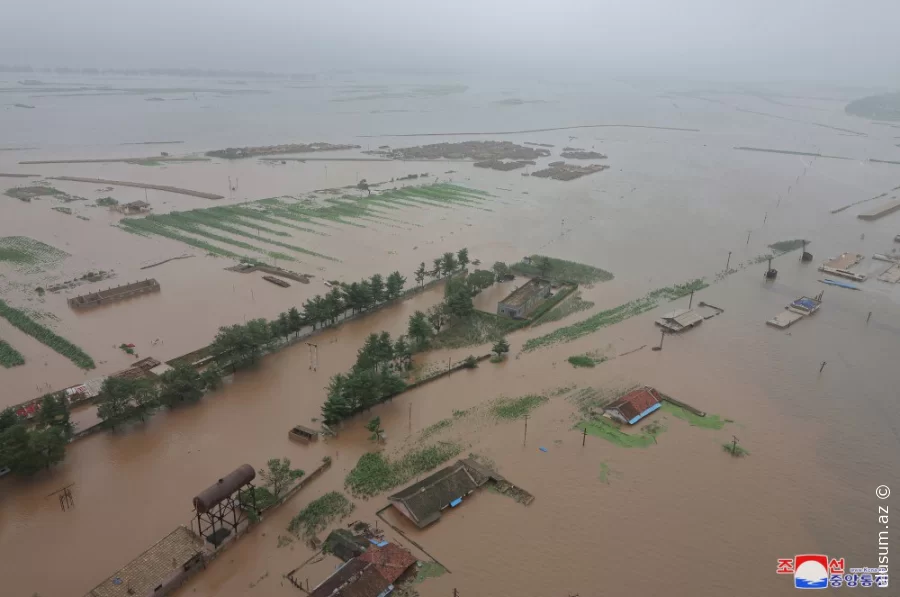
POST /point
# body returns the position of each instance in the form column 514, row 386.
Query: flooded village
column 526, row 359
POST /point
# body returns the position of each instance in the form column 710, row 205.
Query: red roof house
column 635, row 405
column 391, row 561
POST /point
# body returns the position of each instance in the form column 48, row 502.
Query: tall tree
column 54, row 412
column 337, row 406
column 394, row 285
column 448, row 263
column 479, row 280
column 501, row 270
column 501, row 347
column 419, row 329
column 122, row 400
column 48, row 447
column 284, row 325
column 384, row 349
column 402, row 353
column 437, row 316
column 544, row 265
column 365, row 293
column 463, row 257
column 377, row 284
column 278, row 475
column 458, row 298
column 295, row 321
column 421, row 272
column 438, row 268
column 181, row 384
column 334, row 304
column 374, row 427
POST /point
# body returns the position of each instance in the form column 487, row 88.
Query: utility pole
column 449, row 360
column 748, row 236
column 822, row 367
column 727, row 263
column 526, row 430
column 410, row 418
column 734, row 445
column 584, row 436
column 691, row 302
column 868, row 318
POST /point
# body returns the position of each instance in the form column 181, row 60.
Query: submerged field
column 249, row 231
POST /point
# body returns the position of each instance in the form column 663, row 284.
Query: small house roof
column 356, row 578
column 425, row 499
column 391, row 561
column 635, row 402
column 683, row 317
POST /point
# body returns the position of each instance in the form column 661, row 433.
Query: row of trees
column 242, row 344
column 124, row 400
column 28, row 448
column 372, row 379
column 457, row 304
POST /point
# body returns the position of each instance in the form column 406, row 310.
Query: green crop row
column 9, row 356
column 45, row 336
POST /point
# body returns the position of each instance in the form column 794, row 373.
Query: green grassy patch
column 563, row 308
column 735, row 450
column 27, row 254
column 785, row 246
column 478, row 328
column 615, row 315
column 436, row 428
column 561, row 270
column 374, row 473
column 707, row 422
column 586, row 360
column 516, row 408
column 603, row 428
column 428, row 570
column 45, row 336
column 28, row 193
column 319, row 513
column 9, row 356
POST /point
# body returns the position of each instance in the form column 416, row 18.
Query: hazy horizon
column 804, row 41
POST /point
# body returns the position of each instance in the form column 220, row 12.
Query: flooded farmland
column 674, row 205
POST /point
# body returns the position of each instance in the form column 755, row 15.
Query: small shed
column 525, row 299
column 635, row 405
column 680, row 320
column 302, row 434
column 423, row 502
column 135, row 207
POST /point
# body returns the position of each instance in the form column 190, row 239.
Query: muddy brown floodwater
column 679, row 517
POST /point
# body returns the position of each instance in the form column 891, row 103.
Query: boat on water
column 839, row 284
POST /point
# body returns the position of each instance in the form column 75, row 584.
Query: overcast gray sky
column 831, row 40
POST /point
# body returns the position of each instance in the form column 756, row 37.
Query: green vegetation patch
column 428, row 570
column 374, row 473
column 45, row 336
column 28, row 193
column 785, row 246
column 478, row 328
column 437, row 427
column 28, row 254
column 564, row 309
column 319, row 513
column 615, row 315
column 586, row 360
column 516, row 408
column 707, row 422
column 561, row 270
column 9, row 356
column 603, row 428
